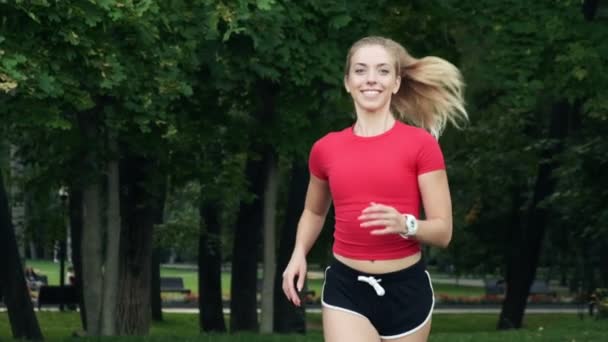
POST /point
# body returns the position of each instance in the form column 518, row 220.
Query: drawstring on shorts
column 374, row 283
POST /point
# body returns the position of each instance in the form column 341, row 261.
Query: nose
column 371, row 77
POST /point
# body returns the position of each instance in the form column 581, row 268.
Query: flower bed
column 497, row 299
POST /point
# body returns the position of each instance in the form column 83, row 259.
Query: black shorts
column 396, row 303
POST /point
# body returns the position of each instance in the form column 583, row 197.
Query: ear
column 346, row 84
column 397, row 84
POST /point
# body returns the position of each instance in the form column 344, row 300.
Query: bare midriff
column 379, row 266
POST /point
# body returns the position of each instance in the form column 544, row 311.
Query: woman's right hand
column 295, row 269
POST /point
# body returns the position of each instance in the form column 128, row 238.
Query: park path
column 439, row 309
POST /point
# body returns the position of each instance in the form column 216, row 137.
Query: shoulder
column 416, row 134
column 331, row 139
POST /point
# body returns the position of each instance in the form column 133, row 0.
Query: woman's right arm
column 318, row 200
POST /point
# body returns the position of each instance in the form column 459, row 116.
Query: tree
column 142, row 205
column 13, row 287
column 210, row 269
column 282, row 71
column 86, row 72
column 18, row 206
column 287, row 318
column 531, row 80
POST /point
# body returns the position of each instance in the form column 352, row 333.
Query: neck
column 368, row 125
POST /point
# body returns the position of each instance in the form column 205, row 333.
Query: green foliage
column 204, row 86
column 519, row 58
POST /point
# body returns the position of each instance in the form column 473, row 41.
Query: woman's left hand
column 386, row 218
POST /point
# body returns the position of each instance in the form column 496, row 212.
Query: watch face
column 411, row 225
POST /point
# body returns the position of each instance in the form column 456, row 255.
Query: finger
column 372, row 209
column 377, row 207
column 300, row 284
column 380, row 215
column 374, row 223
column 289, row 287
column 292, row 294
column 384, row 231
column 285, row 286
column 301, row 279
column 295, row 296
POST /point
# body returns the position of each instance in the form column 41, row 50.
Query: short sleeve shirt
column 382, row 169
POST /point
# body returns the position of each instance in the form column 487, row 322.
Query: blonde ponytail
column 431, row 92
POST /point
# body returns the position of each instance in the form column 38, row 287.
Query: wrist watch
column 411, row 225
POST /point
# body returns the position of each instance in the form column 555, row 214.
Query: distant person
column 379, row 172
column 56, row 250
column 32, row 279
column 71, row 277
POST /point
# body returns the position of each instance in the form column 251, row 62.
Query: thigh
column 420, row 335
column 339, row 326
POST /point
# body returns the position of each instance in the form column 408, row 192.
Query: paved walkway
column 439, row 309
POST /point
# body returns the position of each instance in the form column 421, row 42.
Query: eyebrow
column 379, row 65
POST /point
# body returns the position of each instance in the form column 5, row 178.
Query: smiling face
column 372, row 79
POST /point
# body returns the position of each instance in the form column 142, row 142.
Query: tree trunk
column 91, row 245
column 76, row 217
column 269, row 228
column 155, row 298
column 588, row 267
column 13, row 287
column 110, row 275
column 158, row 217
column 287, row 317
column 603, row 264
column 92, row 229
column 141, row 207
column 17, row 199
column 243, row 303
column 521, row 269
column 210, row 303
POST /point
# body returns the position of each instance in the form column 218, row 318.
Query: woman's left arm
column 436, row 228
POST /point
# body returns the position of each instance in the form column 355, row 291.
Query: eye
column 384, row 71
column 359, row 71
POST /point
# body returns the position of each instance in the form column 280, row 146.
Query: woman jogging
column 380, row 172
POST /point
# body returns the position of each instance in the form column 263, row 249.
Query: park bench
column 309, row 296
column 56, row 295
column 494, row 286
column 498, row 287
column 541, row 287
column 173, row 285
column 40, row 278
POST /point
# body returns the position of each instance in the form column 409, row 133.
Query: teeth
column 371, row 92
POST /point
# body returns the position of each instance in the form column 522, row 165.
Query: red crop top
column 382, row 169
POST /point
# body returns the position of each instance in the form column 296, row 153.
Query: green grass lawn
column 191, row 282
column 446, row 327
column 458, row 290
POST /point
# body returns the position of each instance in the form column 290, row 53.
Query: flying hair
column 431, row 91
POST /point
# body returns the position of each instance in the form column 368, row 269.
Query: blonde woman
column 380, row 173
